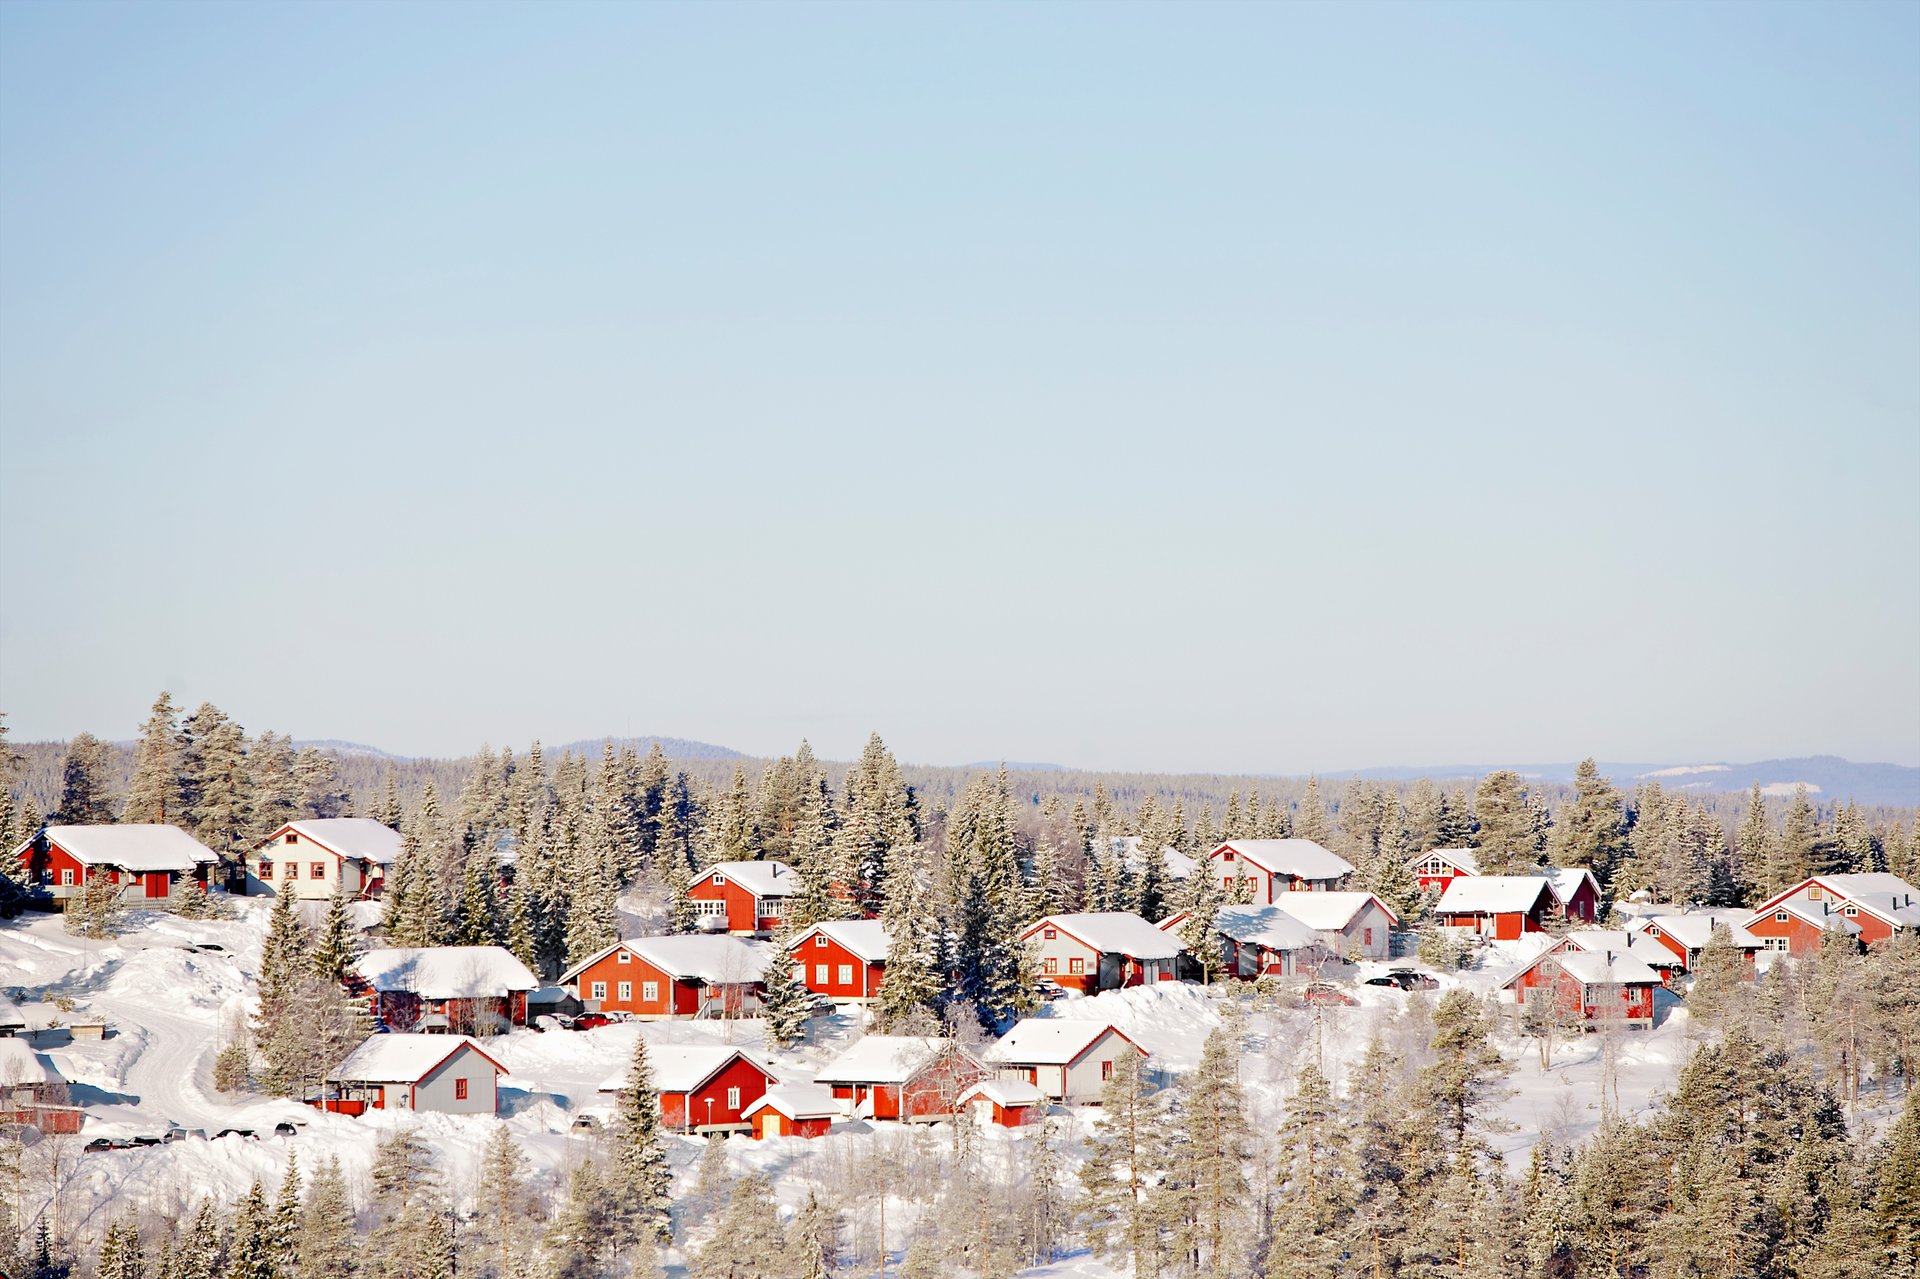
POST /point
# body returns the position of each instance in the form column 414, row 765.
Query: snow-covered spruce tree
column 577, row 1245
column 154, row 793
column 479, row 919
column 1121, row 1163
column 748, row 1243
column 813, row 1241
column 499, row 1244
column 273, row 793
column 85, row 798
column 406, row 1199
column 216, row 779
column 1510, row 837
column 1718, row 976
column 283, row 954
column 1312, row 821
column 591, row 915
column 1465, row 1068
column 325, row 1242
column 97, row 910
column 252, row 1254
column 913, row 985
column 788, row 1003
column 202, row 1255
column 337, row 945
column 1591, row 828
column 286, row 1215
column 316, row 1026
column 1203, row 897
column 1310, row 1202
column 639, row 1177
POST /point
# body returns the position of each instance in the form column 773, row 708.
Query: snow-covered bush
column 1445, row 948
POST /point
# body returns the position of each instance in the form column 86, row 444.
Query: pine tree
column 1199, row 931
column 1510, row 837
column 253, row 1255
column 273, row 792
column 286, row 1215
column 84, row 796
column 154, row 794
column 1590, row 830
column 788, row 1003
column 1210, row 1192
column 325, row 1243
column 639, row 1176
column 1119, row 1166
column 504, row 1208
column 216, row 781
column 1314, row 823
column 282, row 955
column 748, row 1243
column 388, row 811
column 1311, row 1202
column 1465, row 1065
column 405, row 1203
column 202, row 1256
column 317, row 779
column 1797, row 844
column 336, row 948
column 914, row 982
column 813, row 1241
column 1896, row 1199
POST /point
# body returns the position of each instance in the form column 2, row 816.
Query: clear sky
column 1240, row 387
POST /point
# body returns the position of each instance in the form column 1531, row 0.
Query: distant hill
column 1827, row 777
column 346, row 748
column 672, row 747
column 1013, row 766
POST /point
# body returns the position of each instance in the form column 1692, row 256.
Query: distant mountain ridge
column 671, row 747
column 1827, row 777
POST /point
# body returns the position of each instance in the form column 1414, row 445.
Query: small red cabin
column 1872, row 907
column 1504, row 907
column 1011, row 1103
column 1598, row 985
column 908, row 1077
column 844, row 960
column 703, row 1088
column 743, row 897
column 793, row 1110
column 147, row 860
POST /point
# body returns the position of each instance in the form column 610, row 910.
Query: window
column 719, row 879
column 1049, row 966
column 1776, row 943
column 626, row 992
column 819, row 974
column 66, row 877
column 1077, row 966
column 1653, row 930
column 459, row 1090
column 709, row 908
column 1051, row 933
column 1106, row 1070
column 1228, row 857
column 1780, row 916
column 846, row 972
column 1813, row 893
column 1227, row 883
column 1368, row 936
column 1851, row 910
column 733, row 1099
column 819, row 939
column 599, row 990
column 317, row 870
column 264, row 869
column 649, row 991
column 624, row 957
column 293, row 837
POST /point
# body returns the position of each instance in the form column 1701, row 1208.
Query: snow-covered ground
column 167, row 996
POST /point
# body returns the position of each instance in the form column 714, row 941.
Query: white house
column 1102, row 950
column 1351, row 923
column 313, row 859
column 1275, row 866
column 1065, row 1060
column 450, row 1074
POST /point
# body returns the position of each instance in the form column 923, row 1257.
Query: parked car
column 1049, row 989
column 247, row 1133
column 1321, row 993
column 590, row 1021
column 108, row 1143
column 1405, row 979
column 286, row 1128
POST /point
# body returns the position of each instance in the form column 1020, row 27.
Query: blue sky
column 1246, row 387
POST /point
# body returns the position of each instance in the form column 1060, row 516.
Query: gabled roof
column 866, row 938
column 1268, row 926
column 887, row 1059
column 1298, row 857
column 797, row 1101
column 685, row 1067
column 762, row 879
column 1465, row 859
column 690, row 956
column 19, row 1064
column 1814, row 913
column 1005, row 1092
column 135, row 846
column 1622, row 940
column 403, row 1059
column 1593, row 967
column 1495, row 894
column 1049, row 1041
column 1112, row 932
column 1884, row 896
column 445, row 972
column 1695, row 928
column 1330, row 912
column 356, row 838
column 1179, row 865
column 1566, row 881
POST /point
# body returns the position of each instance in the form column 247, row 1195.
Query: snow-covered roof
column 885, row 1059
column 446, row 972
column 684, row 1067
column 19, row 1064
column 1888, row 896
column 1695, row 928
column 1113, row 932
column 1493, row 894
column 696, row 956
column 1268, row 926
column 866, row 938
column 403, row 1058
column 1814, row 913
column 360, row 838
column 1566, row 881
column 1298, row 857
column 1330, row 912
column 1046, row 1041
column 762, row 879
column 797, row 1101
column 1596, row 967
column 136, row 846
column 1005, row 1092
column 1179, row 865
column 1623, row 940
column 1466, row 859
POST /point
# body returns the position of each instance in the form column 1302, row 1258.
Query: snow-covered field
column 167, row 998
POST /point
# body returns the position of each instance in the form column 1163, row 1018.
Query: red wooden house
column 1681, row 937
column 1438, row 867
column 1270, row 867
column 703, row 1088
column 1505, row 907
column 743, row 897
column 1872, row 907
column 679, row 976
column 1102, row 950
column 1594, row 985
column 464, row 989
column 147, row 860
column 33, row 1092
column 794, row 1110
column 446, row 1074
column 1577, row 890
column 843, row 959
column 908, row 1077
column 1011, row 1103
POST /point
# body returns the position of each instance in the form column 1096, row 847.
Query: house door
column 156, row 883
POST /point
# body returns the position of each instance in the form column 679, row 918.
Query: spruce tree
column 1510, row 835
column 253, row 1254
column 388, row 811
column 217, row 783
column 1120, row 1165
column 85, row 799
column 336, row 948
column 1199, row 931
column 325, row 1242
column 813, row 1242
column 505, row 1204
column 1896, row 1199
column 1211, row 1199
column 405, row 1202
column 479, row 919
column 273, row 792
column 788, row 1003
column 1311, row 1203
column 154, row 794
column 1590, row 830
column 1798, row 842
column 749, row 1242
column 1465, row 1067
column 1313, row 822
column 639, row 1175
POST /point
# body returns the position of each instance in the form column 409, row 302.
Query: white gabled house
column 449, row 1074
column 311, row 859
column 1275, row 866
column 1350, row 923
column 1066, row 1060
column 1102, row 950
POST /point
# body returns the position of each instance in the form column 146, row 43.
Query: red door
column 156, row 883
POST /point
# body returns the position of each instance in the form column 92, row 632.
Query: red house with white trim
column 1872, row 907
column 147, row 859
column 843, row 959
column 1599, row 985
column 1438, row 867
column 675, row 976
column 1504, row 907
column 441, row 988
column 909, row 1077
column 1683, row 936
column 1577, row 891
column 1010, row 1103
column 1274, row 866
column 703, row 1088
column 743, row 897
column 1102, row 950
column 1258, row 941
column 793, row 1110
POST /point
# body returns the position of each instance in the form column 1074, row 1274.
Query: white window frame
column 626, row 992
column 846, row 974
column 649, row 992
column 733, row 1098
column 599, row 990
column 820, row 974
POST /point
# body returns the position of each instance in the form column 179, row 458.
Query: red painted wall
column 1802, row 937
column 675, row 1107
column 672, row 999
column 771, row 1123
column 740, row 917
column 810, row 954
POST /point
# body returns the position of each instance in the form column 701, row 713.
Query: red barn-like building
column 1577, row 890
column 679, row 976
column 1011, row 1103
column 743, row 897
column 1102, row 950
column 844, row 959
column 703, row 1088
column 1598, row 985
column 1872, row 907
column 146, row 859
column 1505, row 907
column 1682, row 937
column 909, row 1077
column 1438, row 867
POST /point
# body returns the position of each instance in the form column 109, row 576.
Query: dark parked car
column 1405, row 979
column 1049, row 990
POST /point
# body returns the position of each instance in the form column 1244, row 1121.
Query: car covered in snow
column 1405, row 979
